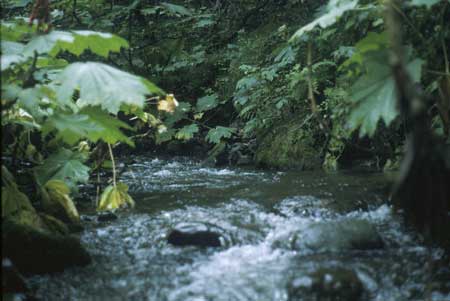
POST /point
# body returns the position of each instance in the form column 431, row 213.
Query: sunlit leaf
column 168, row 104
column 57, row 199
column 98, row 42
column 75, row 42
column 16, row 31
column 335, row 9
column 47, row 43
column 8, row 60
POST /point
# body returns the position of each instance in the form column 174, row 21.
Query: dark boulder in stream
column 327, row 284
column 196, row 234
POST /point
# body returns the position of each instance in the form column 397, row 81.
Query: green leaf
column 187, row 132
column 206, row 103
column 47, row 43
column 335, row 9
column 115, row 198
column 102, row 85
column 12, row 47
column 9, row 60
column 72, row 127
column 16, row 31
column 64, row 165
column 374, row 93
column 75, row 42
column 215, row 135
column 98, row 42
column 30, row 100
column 372, row 42
column 110, row 125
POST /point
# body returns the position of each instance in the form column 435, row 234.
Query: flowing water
column 258, row 213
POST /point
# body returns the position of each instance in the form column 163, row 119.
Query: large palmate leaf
column 98, row 42
column 16, row 31
column 12, row 47
column 110, row 125
column 115, row 198
column 75, row 42
column 215, row 135
column 105, row 86
column 48, row 43
column 64, row 165
column 90, row 123
column 71, row 127
column 334, row 10
column 374, row 93
column 187, row 132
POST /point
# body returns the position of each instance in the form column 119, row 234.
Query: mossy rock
column 288, row 147
column 54, row 225
column 36, row 251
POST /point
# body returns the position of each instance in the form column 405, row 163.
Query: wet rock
column 106, row 217
column 327, row 284
column 195, row 234
column 348, row 234
column 37, row 250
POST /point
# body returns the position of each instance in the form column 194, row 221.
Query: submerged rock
column 196, row 234
column 347, row 234
column 327, row 284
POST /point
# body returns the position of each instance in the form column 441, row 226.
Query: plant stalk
column 113, row 164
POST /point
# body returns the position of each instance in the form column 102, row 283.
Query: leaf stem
column 113, row 164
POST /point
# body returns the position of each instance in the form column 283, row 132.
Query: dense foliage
column 241, row 70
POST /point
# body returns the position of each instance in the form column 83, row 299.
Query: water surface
column 258, row 212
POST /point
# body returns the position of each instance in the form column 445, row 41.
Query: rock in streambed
column 196, row 234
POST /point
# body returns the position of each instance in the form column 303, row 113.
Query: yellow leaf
column 198, row 116
column 115, row 198
column 168, row 104
column 58, row 198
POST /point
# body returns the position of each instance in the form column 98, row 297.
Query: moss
column 288, row 147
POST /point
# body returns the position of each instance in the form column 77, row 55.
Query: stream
column 286, row 236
